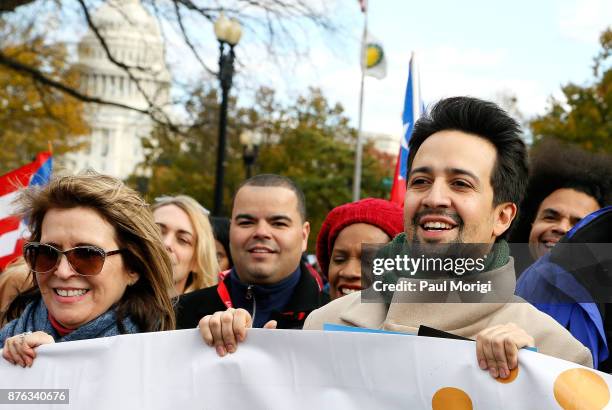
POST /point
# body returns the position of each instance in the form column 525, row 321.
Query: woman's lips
column 347, row 289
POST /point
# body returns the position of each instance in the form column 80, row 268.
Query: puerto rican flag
column 413, row 108
column 12, row 228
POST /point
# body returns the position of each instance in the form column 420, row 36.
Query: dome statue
column 134, row 40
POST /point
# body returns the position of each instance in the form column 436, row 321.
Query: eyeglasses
column 85, row 260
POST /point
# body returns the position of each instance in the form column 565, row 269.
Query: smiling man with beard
column 467, row 172
column 268, row 233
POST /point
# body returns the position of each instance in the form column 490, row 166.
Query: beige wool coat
column 463, row 319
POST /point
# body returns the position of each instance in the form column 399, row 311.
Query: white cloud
column 446, row 70
column 584, row 20
column 447, row 56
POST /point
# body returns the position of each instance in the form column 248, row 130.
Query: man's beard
column 435, row 248
column 456, row 248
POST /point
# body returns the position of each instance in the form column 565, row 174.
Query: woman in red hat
column 342, row 234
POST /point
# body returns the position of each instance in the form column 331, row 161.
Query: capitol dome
column 122, row 16
column 134, row 39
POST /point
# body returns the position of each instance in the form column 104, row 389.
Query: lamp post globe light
column 250, row 148
column 228, row 34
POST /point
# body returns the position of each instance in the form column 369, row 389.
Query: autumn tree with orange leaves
column 32, row 116
column 584, row 116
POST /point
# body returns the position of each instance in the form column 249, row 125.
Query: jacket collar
column 307, row 294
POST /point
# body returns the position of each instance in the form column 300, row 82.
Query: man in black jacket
column 268, row 234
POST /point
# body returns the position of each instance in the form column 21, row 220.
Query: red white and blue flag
column 12, row 228
column 413, row 108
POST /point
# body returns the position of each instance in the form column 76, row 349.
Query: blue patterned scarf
column 35, row 317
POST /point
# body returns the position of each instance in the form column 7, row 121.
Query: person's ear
column 133, row 277
column 305, row 233
column 504, row 215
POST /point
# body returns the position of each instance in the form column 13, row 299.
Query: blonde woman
column 189, row 240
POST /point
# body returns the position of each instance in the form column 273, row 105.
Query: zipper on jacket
column 249, row 295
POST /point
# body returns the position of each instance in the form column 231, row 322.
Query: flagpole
column 359, row 145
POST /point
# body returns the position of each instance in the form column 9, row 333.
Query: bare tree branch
column 179, row 19
column 11, row 5
column 153, row 108
column 40, row 77
column 206, row 12
column 270, row 22
column 43, row 100
column 108, row 52
column 104, row 44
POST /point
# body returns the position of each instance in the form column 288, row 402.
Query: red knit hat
column 387, row 216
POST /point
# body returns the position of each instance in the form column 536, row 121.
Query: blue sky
column 480, row 48
column 477, row 47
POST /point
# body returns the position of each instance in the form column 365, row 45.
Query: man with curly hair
column 565, row 185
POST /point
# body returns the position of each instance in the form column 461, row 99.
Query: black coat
column 307, row 296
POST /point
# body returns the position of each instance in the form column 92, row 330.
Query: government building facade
column 134, row 39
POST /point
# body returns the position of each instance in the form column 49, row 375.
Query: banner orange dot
column 581, row 389
column 451, row 398
column 513, row 375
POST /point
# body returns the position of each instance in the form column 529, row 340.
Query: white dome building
column 133, row 38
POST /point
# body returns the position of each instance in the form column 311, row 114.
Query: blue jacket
column 555, row 291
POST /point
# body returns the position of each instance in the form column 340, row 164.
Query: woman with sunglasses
column 100, row 268
column 189, row 240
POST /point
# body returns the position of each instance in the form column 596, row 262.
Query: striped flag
column 12, row 228
column 413, row 108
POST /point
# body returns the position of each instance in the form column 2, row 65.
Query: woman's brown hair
column 147, row 302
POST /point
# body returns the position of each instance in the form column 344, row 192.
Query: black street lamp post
column 250, row 148
column 249, row 155
column 228, row 34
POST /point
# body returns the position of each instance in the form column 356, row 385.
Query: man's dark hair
column 273, row 180
column 553, row 166
column 488, row 121
column 221, row 227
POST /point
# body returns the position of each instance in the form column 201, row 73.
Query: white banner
column 283, row 369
